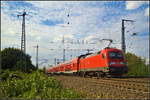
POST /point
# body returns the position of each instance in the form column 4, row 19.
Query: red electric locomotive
column 109, row 61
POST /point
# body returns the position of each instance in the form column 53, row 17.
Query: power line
column 68, row 49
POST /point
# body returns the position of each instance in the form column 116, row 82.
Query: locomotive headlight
column 122, row 63
column 111, row 63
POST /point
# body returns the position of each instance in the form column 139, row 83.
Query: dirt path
column 100, row 88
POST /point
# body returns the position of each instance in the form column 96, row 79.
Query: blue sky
column 88, row 20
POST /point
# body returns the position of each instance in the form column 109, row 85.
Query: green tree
column 136, row 65
column 15, row 59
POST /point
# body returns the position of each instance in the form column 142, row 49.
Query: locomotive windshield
column 115, row 55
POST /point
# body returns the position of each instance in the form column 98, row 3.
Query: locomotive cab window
column 115, row 55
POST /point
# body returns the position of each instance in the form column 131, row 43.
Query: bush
column 35, row 85
column 136, row 65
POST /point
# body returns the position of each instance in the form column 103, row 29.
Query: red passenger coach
column 109, row 61
column 66, row 67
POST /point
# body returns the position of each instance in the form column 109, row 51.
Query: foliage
column 13, row 58
column 136, row 65
column 36, row 85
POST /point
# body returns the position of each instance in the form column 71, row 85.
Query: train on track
column 108, row 61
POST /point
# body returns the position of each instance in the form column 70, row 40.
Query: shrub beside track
column 36, row 85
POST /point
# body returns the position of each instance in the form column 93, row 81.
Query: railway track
column 129, row 80
column 131, row 86
column 114, row 88
column 137, row 82
column 126, row 84
column 132, row 79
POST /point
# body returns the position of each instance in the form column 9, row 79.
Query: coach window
column 103, row 56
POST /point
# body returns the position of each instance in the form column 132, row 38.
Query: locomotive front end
column 117, row 63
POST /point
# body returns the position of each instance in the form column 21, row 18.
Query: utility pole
column 23, row 38
column 63, row 41
column 37, row 55
column 88, row 50
column 55, row 61
column 123, row 44
column 71, row 56
column 64, row 55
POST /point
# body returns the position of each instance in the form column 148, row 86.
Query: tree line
column 15, row 59
column 136, row 65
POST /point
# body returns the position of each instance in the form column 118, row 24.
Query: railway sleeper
column 124, row 87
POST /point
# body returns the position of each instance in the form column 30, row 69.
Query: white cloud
column 38, row 38
column 134, row 4
column 147, row 11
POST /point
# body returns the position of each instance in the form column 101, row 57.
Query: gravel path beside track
column 114, row 88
